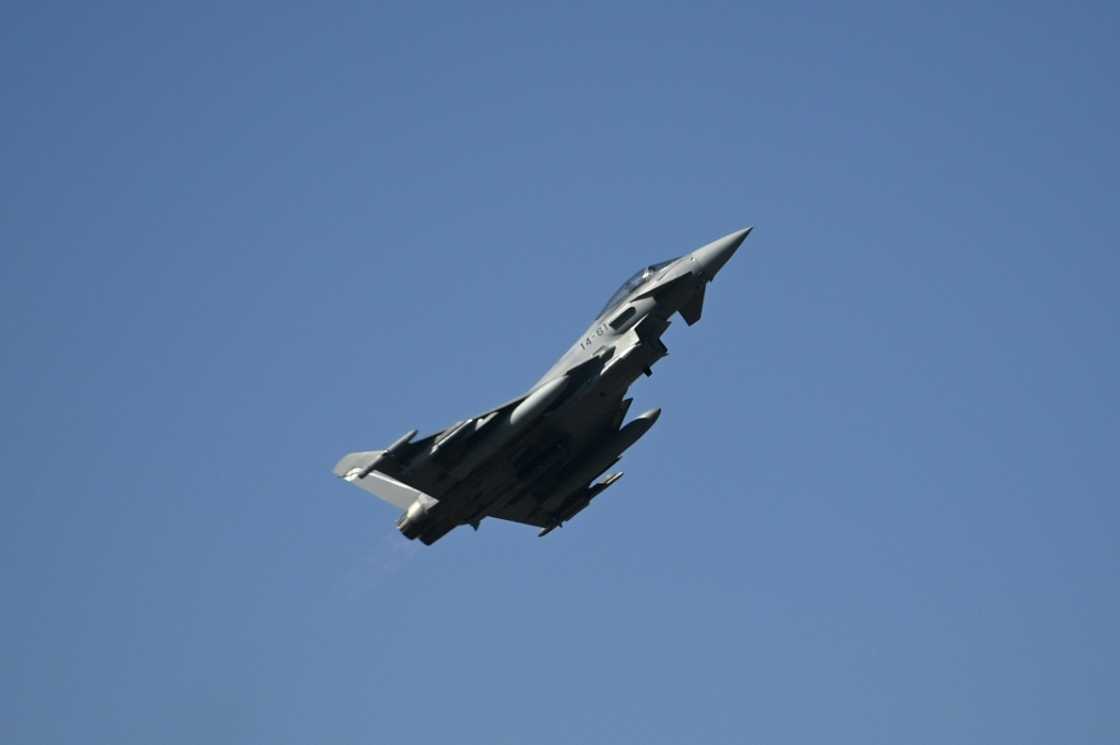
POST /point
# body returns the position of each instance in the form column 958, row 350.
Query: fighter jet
column 535, row 459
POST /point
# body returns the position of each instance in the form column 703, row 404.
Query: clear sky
column 239, row 240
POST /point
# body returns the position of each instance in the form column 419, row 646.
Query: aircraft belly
column 536, row 458
column 519, row 476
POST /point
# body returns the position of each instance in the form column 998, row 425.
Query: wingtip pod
column 389, row 452
column 611, row 479
column 578, row 505
column 402, row 440
column 350, row 465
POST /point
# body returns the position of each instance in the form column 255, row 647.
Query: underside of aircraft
column 536, row 459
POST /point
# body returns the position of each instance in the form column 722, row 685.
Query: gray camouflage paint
column 533, row 459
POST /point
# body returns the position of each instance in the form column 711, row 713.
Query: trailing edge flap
column 691, row 310
column 376, row 483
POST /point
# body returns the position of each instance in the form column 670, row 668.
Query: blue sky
column 240, row 240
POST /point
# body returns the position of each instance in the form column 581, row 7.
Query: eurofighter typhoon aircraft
column 535, row 459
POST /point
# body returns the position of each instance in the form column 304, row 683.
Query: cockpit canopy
column 629, row 286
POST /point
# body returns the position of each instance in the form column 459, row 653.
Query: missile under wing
column 537, row 459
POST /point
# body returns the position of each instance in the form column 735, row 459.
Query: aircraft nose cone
column 711, row 258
